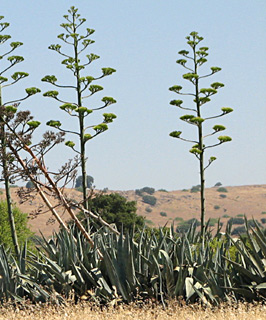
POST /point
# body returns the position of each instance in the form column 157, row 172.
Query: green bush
column 29, row 185
column 216, row 207
column 226, row 216
column 213, row 222
column 239, row 230
column 163, row 214
column 240, row 215
column 148, row 209
column 114, row 208
column 236, row 221
column 195, row 189
column 151, row 200
column 223, row 196
column 263, row 220
column 79, row 181
column 148, row 190
column 218, row 184
column 222, row 189
column 162, row 190
column 263, row 212
column 178, row 219
column 23, row 232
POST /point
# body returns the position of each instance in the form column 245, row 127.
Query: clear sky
column 141, row 40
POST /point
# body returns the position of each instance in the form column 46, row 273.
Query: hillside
column 170, row 206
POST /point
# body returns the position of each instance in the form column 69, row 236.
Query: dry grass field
column 241, row 200
column 174, row 311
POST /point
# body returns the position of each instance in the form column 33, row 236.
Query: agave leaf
column 245, row 272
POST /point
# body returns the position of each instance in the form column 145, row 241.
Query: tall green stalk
column 7, row 184
column 12, row 60
column 77, row 109
column 200, row 97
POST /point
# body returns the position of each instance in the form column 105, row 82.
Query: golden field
column 242, row 311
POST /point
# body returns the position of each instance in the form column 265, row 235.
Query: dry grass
column 241, row 311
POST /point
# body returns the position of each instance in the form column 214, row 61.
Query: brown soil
column 242, row 200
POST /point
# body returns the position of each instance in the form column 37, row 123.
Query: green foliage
column 149, row 199
column 222, row 189
column 29, row 185
column 218, row 184
column 263, row 220
column 147, row 190
column 148, row 209
column 223, row 196
column 263, row 212
column 178, row 219
column 114, row 208
column 216, row 207
column 78, row 42
column 79, row 180
column 238, row 230
column 162, row 190
column 195, row 189
column 237, row 221
column 163, row 214
column 21, row 221
column 192, row 60
column 226, row 216
column 213, row 221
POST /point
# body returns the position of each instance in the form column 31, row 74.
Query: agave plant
column 249, row 268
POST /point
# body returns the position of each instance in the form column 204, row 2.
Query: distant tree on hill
column 29, row 185
column 149, row 199
column 79, row 181
column 114, row 208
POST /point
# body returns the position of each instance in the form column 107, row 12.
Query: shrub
column 223, row 195
column 149, row 222
column 263, row 212
column 178, row 219
column 149, row 199
column 29, row 184
column 216, row 207
column 218, row 184
column 263, row 220
column 1, row 192
column 238, row 230
column 193, row 220
column 236, row 221
column 148, row 209
column 163, row 214
column 251, row 223
column 114, row 208
column 162, row 190
column 148, row 190
column 226, row 216
column 195, row 189
column 240, row 215
column 79, row 181
column 183, row 227
column 23, row 232
column 222, row 189
column 212, row 222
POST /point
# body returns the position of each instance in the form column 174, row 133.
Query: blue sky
column 141, row 40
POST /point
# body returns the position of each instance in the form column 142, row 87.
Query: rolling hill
column 170, row 206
